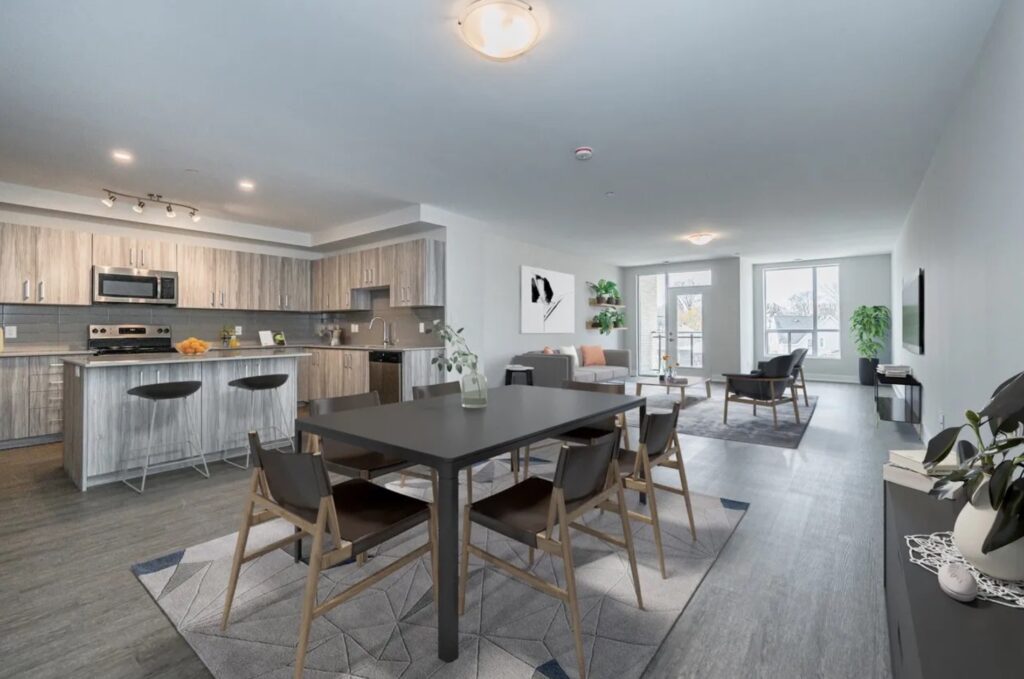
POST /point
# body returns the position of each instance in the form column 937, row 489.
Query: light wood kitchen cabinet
column 316, row 280
column 355, row 275
column 197, row 284
column 15, row 406
column 337, row 372
column 227, row 277
column 44, row 266
column 270, row 284
column 418, row 278
column 370, row 269
column 418, row 370
column 135, row 253
column 295, row 284
column 31, row 395
column 357, row 372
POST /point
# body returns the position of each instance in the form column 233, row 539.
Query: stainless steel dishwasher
column 386, row 375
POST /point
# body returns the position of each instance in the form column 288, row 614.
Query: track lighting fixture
column 139, row 205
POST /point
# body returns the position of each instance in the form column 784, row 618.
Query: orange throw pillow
column 592, row 355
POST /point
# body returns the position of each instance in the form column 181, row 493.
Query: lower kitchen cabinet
column 31, row 392
column 225, row 408
column 336, row 372
column 417, row 370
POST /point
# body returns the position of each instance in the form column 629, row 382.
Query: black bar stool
column 164, row 392
column 525, row 371
column 263, row 386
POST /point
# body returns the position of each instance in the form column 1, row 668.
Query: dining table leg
column 447, row 506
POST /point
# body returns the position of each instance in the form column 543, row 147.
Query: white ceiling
column 792, row 127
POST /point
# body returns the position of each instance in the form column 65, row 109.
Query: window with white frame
column 801, row 311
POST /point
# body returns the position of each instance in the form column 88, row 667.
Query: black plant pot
column 866, row 368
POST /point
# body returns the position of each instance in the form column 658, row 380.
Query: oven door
column 131, row 286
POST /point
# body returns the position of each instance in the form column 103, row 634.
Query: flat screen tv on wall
column 913, row 313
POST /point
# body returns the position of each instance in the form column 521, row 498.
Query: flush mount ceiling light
column 140, row 203
column 499, row 29
column 122, row 156
column 246, row 184
column 700, row 238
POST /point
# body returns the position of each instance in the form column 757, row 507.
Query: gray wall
column 721, row 311
column 966, row 230
column 482, row 293
column 862, row 280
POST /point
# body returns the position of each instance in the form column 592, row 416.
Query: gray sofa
column 550, row 370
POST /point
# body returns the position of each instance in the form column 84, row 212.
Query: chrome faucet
column 387, row 331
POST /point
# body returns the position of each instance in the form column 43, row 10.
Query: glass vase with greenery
column 463, row 361
column 870, row 325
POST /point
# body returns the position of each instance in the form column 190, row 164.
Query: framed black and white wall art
column 548, row 301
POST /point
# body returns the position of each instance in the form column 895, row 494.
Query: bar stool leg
column 252, row 427
column 195, row 442
column 149, row 451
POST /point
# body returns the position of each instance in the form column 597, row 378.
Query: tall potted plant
column 870, row 325
column 989, row 531
column 466, row 363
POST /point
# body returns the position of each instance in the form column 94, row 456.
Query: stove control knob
column 95, row 330
column 103, row 331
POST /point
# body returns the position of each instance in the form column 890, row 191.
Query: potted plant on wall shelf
column 989, row 530
column 870, row 325
column 605, row 292
column 466, row 363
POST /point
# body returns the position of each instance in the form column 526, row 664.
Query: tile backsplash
column 65, row 326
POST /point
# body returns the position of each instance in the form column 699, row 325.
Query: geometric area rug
column 509, row 629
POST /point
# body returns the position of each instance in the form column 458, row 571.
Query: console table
column 894, row 409
column 930, row 635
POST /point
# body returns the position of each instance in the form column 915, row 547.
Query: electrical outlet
column 423, row 328
column 238, row 331
column 11, row 332
column 354, row 328
column 942, row 421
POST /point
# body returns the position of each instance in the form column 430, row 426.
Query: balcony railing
column 689, row 351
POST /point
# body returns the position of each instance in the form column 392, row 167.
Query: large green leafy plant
column 870, row 325
column 995, row 454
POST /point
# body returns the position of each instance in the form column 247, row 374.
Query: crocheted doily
column 932, row 551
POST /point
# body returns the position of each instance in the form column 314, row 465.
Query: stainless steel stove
column 130, row 339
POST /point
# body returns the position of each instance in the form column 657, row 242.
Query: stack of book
column 906, row 468
column 891, row 370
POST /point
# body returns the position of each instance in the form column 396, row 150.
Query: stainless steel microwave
column 134, row 286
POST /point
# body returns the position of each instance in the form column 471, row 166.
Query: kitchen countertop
column 118, row 360
column 40, row 351
column 29, row 352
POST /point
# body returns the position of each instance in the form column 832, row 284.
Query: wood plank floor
column 797, row 592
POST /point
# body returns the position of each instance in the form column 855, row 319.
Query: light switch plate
column 354, row 328
column 423, row 328
column 238, row 331
column 11, row 332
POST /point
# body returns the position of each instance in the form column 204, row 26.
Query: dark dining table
column 441, row 434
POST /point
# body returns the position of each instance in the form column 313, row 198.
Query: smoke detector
column 584, row 153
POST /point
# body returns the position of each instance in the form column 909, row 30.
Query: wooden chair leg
column 467, row 528
column 531, row 557
column 570, row 586
column 803, row 385
column 361, row 559
column 625, row 431
column 796, row 406
column 627, row 534
column 309, row 598
column 684, row 484
column 469, row 485
column 514, row 455
column 236, row 564
column 526, row 464
column 655, row 523
column 775, row 416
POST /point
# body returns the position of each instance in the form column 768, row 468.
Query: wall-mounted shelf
column 592, row 326
column 594, row 302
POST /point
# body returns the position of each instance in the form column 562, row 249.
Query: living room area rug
column 509, row 630
column 702, row 416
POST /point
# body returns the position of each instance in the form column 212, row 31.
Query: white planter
column 972, row 525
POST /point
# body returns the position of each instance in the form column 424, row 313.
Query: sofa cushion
column 570, row 350
column 596, row 373
column 618, row 371
column 585, row 374
column 592, row 355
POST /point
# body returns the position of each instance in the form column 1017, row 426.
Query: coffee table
column 645, row 381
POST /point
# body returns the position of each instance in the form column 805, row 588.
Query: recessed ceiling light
column 122, row 156
column 246, row 184
column 499, row 29
column 700, row 238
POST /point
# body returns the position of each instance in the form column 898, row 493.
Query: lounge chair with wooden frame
column 799, row 383
column 765, row 386
column 585, row 479
column 357, row 514
column 590, row 432
column 659, row 443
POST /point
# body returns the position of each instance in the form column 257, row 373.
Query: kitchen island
column 106, row 429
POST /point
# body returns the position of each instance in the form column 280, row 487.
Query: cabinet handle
column 222, row 298
column 287, row 303
column 213, row 298
column 24, row 289
column 42, row 290
column 131, row 256
column 142, row 258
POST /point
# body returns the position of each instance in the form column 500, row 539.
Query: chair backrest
column 322, row 406
column 297, row 482
column 337, row 404
column 432, row 390
column 658, row 429
column 611, row 423
column 780, row 366
column 800, row 355
column 583, row 470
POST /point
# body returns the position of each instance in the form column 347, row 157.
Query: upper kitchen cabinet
column 296, row 282
column 134, row 253
column 44, row 266
column 357, row 270
column 418, row 278
column 197, row 284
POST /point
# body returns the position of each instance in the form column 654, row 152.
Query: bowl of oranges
column 192, row 347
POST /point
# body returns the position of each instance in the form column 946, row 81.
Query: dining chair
column 432, row 391
column 659, row 442
column 586, row 478
column 357, row 514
